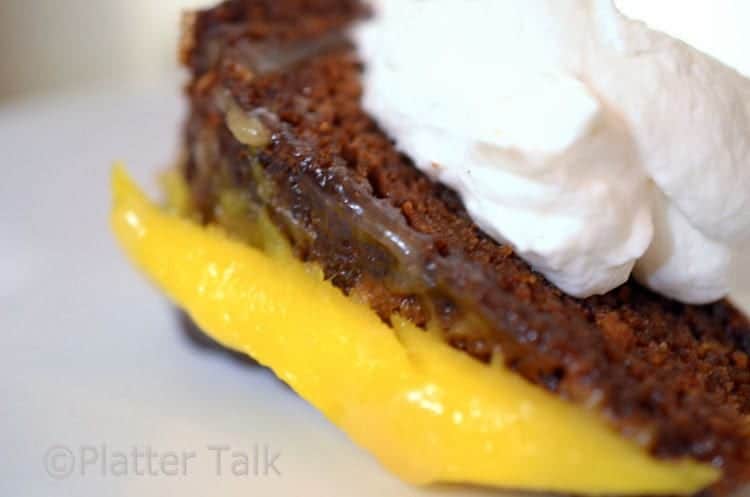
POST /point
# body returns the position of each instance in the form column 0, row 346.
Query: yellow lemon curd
column 429, row 413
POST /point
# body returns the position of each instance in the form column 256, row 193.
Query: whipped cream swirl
column 597, row 147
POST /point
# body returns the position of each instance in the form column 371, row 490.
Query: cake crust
column 673, row 377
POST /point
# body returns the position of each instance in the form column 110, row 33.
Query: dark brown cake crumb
column 671, row 376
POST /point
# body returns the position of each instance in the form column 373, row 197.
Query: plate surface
column 95, row 361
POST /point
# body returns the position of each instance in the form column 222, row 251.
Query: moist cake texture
column 276, row 124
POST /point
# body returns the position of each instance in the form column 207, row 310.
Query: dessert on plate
column 484, row 273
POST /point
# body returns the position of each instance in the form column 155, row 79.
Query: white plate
column 93, row 357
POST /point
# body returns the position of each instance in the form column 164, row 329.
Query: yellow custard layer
column 429, row 413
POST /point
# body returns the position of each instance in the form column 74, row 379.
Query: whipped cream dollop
column 597, row 147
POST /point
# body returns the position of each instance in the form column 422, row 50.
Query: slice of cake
column 624, row 393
